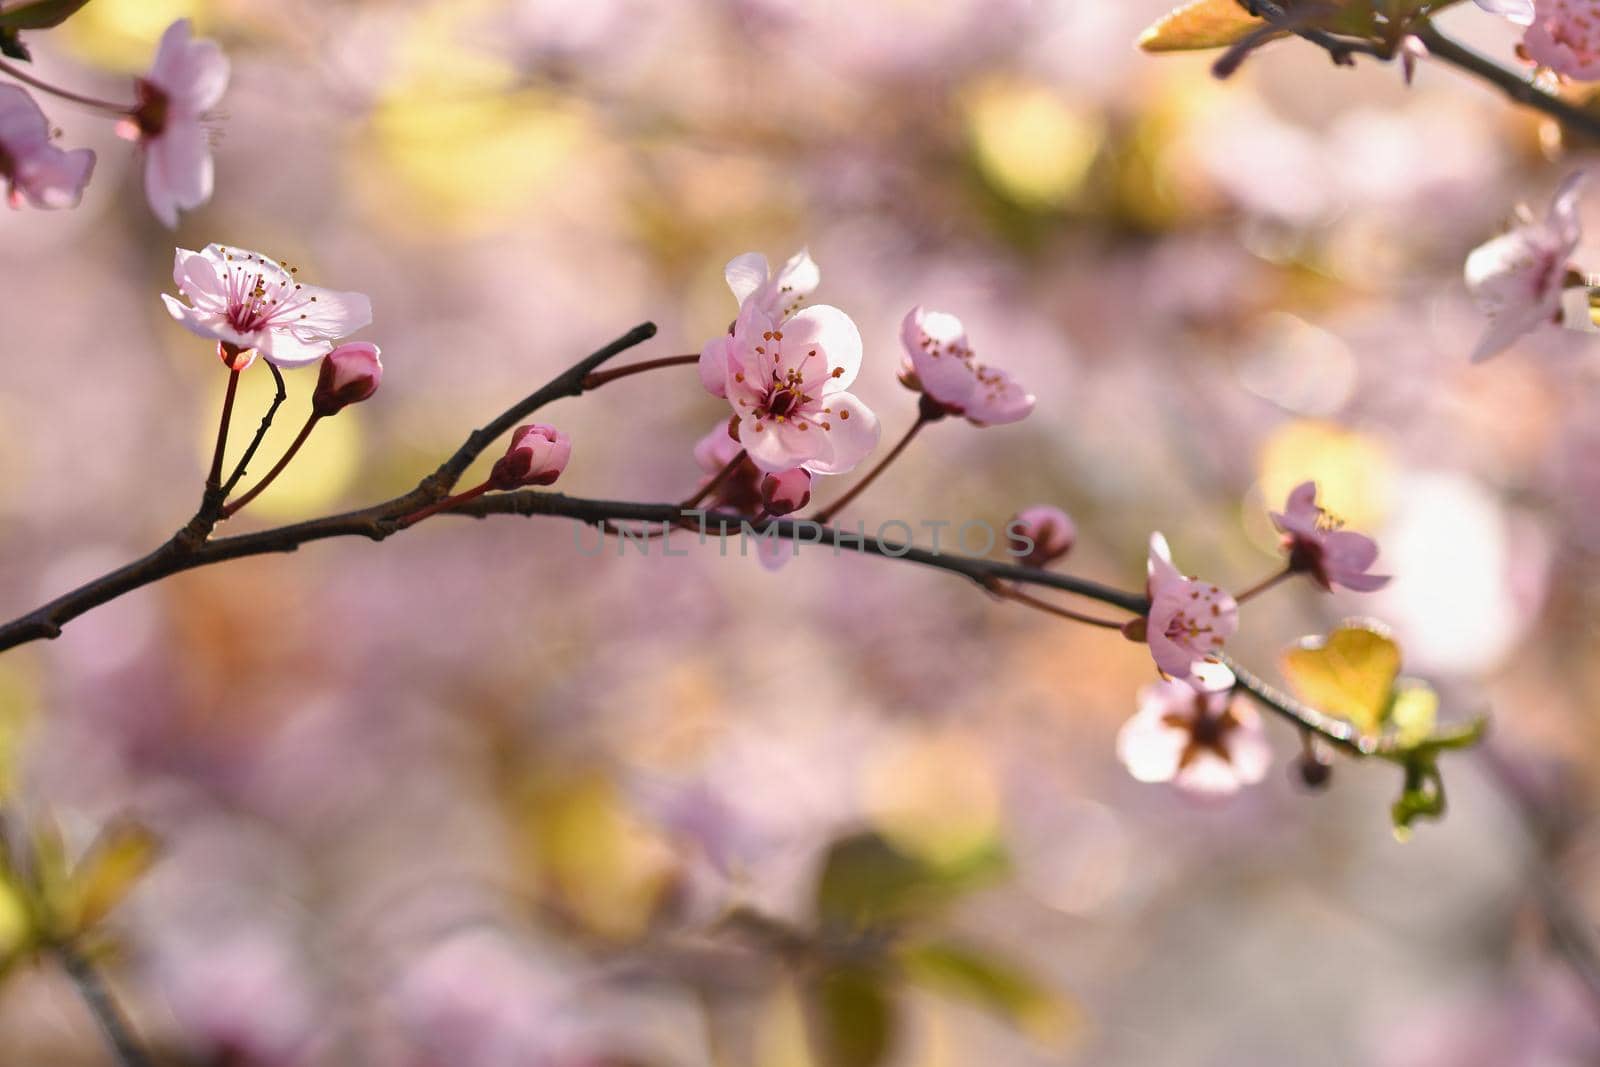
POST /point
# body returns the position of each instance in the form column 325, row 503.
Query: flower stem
column 598, row 378
column 77, row 98
column 1011, row 592
column 277, row 469
column 214, row 479
column 894, row 453
column 118, row 1031
column 1263, row 585
column 721, row 476
column 448, row 502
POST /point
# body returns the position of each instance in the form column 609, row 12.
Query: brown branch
column 1514, row 84
column 261, row 433
column 103, row 1006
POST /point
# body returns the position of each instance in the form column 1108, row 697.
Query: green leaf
column 867, row 881
column 115, row 862
column 1350, row 673
column 992, row 983
column 853, row 1017
column 38, row 14
column 1422, row 796
column 1197, row 25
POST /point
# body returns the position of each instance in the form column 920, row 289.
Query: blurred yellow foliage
column 1352, row 470
column 122, row 34
column 936, row 797
column 1032, row 144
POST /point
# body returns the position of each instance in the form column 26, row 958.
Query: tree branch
column 1514, row 84
column 103, row 1006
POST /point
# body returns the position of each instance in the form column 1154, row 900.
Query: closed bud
column 786, row 493
column 1313, row 771
column 349, row 374
column 537, row 456
column 1040, row 535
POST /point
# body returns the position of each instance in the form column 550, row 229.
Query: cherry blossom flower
column 778, row 295
column 1318, row 547
column 1040, row 535
column 1517, row 278
column 1564, row 36
column 1189, row 619
column 787, row 382
column 753, row 284
column 349, row 374
column 1518, row 11
column 1191, row 733
column 33, row 169
column 939, row 364
column 785, row 493
column 537, row 456
column 250, row 304
column 185, row 82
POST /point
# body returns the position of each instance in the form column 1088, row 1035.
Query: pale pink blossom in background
column 536, row 456
column 1040, row 535
column 1317, row 546
column 939, row 363
column 244, row 299
column 186, row 81
column 787, row 381
column 740, row 491
column 34, row 170
column 1518, row 11
column 1564, row 36
column 1516, row 279
column 1189, row 619
column 1192, row 733
column 349, row 374
column 239, row 995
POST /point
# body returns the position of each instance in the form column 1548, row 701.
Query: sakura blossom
column 537, row 456
column 1518, row 11
column 1318, row 547
column 1564, row 36
column 778, row 295
column 939, row 363
column 785, row 493
column 349, row 374
column 1190, row 732
column 1189, row 619
column 34, row 170
column 1040, row 535
column 250, row 305
column 1517, row 278
column 787, row 383
column 184, row 84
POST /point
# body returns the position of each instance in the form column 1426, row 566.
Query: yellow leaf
column 1414, row 712
column 1350, row 673
column 116, row 860
column 1199, row 24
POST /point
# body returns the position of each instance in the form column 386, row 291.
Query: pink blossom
column 1191, row 733
column 349, row 374
column 1517, row 278
column 939, row 364
column 787, row 382
column 1564, row 36
column 1518, row 11
column 1189, row 619
column 776, row 296
column 1318, row 547
column 1040, row 535
column 251, row 304
column 186, row 81
column 537, row 456
column 785, row 493
column 34, row 170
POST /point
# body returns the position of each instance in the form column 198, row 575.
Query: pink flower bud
column 349, row 374
column 537, row 456
column 786, row 493
column 1040, row 535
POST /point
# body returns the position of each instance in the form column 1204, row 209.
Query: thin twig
column 103, row 1006
column 599, row 378
column 860, row 487
column 261, row 433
